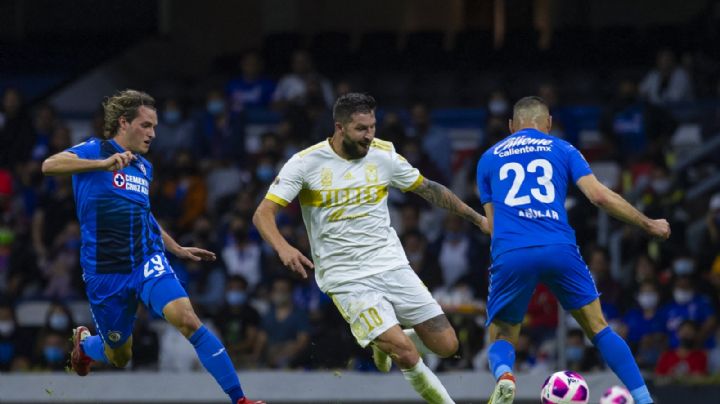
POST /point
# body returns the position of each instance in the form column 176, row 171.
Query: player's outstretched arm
column 66, row 163
column 186, row 253
column 439, row 195
column 617, row 207
column 291, row 257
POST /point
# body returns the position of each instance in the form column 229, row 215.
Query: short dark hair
column 529, row 102
column 124, row 104
column 351, row 103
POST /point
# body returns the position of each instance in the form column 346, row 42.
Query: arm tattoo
column 436, row 324
column 439, row 195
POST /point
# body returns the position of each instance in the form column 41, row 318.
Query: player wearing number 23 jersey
column 525, row 177
column 523, row 183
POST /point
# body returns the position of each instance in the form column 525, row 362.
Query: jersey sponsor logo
column 522, row 144
column 371, row 173
column 326, row 175
column 119, row 180
column 339, row 215
column 329, row 198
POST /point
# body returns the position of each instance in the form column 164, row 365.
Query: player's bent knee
column 449, row 347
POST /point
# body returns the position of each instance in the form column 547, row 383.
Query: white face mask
column 59, row 321
column 647, row 300
column 682, row 296
column 6, row 327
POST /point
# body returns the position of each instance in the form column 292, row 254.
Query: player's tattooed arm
column 439, row 195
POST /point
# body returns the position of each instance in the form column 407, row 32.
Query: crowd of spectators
column 662, row 297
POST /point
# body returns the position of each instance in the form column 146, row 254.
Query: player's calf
column 435, row 335
column 181, row 315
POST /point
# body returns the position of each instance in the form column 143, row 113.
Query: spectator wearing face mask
column 52, row 340
column 175, row 132
column 53, row 348
column 685, row 359
column 12, row 347
column 644, row 325
column 239, row 324
column 286, row 332
column 219, row 132
column 689, row 305
column 579, row 356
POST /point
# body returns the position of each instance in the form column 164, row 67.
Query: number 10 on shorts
column 158, row 268
column 371, row 318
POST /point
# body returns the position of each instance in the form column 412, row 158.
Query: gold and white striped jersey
column 344, row 207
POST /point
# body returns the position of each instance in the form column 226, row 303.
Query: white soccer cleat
column 382, row 360
column 504, row 392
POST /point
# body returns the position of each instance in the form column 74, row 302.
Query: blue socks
column 618, row 356
column 216, row 360
column 501, row 357
column 94, row 347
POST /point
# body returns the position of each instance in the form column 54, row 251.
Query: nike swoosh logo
column 218, row 352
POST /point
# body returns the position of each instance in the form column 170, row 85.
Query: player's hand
column 659, row 228
column 295, row 261
column 118, row 161
column 195, row 254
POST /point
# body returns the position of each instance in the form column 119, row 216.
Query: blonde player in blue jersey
column 523, row 182
column 123, row 246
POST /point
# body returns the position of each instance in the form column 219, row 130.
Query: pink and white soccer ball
column 617, row 395
column 565, row 387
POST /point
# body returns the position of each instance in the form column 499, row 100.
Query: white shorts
column 373, row 304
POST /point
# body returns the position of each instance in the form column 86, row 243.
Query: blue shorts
column 515, row 274
column 114, row 297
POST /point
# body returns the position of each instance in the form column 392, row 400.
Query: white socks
column 421, row 348
column 424, row 381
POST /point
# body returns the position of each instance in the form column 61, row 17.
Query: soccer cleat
column 382, row 360
column 504, row 392
column 245, row 400
column 78, row 360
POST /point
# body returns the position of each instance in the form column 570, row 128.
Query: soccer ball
column 617, row 395
column 565, row 387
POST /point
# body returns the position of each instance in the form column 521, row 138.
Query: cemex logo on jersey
column 522, row 144
column 130, row 182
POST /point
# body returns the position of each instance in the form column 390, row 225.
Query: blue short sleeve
column 577, row 164
column 86, row 150
column 483, row 182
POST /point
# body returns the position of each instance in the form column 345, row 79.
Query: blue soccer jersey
column 526, row 176
column 119, row 233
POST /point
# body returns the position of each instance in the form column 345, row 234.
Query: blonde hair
column 123, row 104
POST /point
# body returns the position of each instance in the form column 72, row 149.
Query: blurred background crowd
column 642, row 105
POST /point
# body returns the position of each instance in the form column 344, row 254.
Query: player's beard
column 354, row 150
